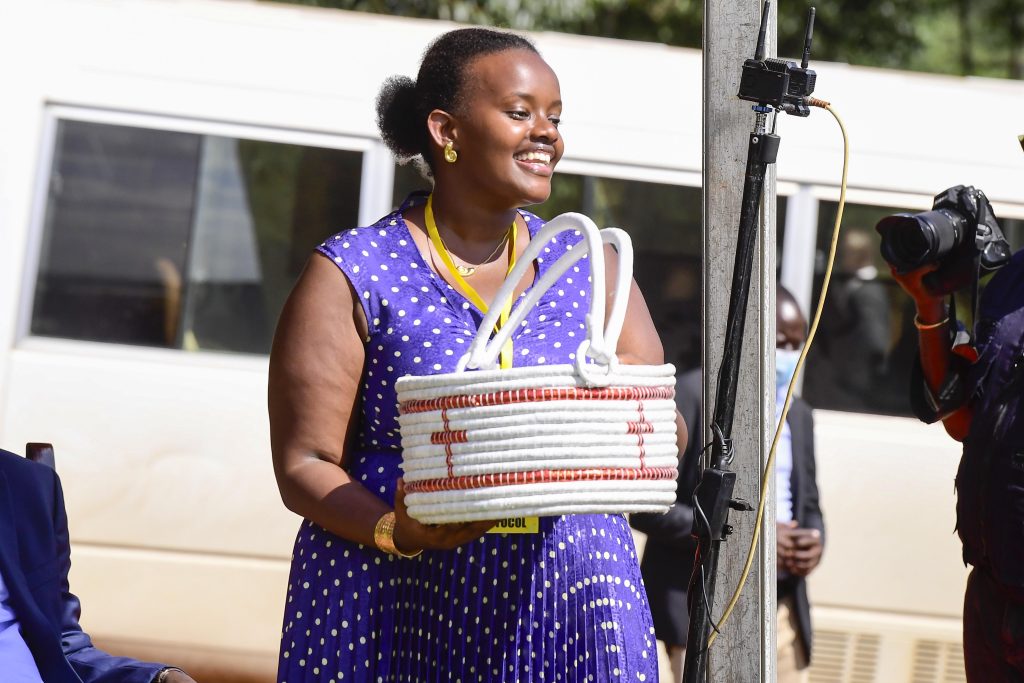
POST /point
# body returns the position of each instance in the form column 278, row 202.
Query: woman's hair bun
column 403, row 104
column 401, row 126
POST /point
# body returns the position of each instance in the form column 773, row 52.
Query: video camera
column 960, row 228
column 779, row 83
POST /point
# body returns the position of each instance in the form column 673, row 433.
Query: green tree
column 880, row 33
column 970, row 37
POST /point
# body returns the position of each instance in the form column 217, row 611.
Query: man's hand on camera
column 930, row 308
column 912, row 284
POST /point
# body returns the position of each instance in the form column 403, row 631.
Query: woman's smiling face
column 506, row 132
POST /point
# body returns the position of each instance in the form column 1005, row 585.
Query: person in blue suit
column 41, row 640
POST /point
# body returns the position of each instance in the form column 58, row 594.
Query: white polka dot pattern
column 565, row 604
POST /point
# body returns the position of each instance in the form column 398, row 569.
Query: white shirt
column 783, row 465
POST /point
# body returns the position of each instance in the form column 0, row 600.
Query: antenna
column 807, row 38
column 759, row 52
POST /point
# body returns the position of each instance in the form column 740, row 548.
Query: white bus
column 168, row 166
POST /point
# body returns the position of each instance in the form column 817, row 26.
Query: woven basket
column 484, row 443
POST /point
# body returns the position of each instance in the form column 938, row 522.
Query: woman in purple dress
column 373, row 594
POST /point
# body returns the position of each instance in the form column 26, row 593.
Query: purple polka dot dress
column 564, row 604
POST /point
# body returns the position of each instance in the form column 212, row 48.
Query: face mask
column 785, row 366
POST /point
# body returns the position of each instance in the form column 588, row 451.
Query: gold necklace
column 467, row 270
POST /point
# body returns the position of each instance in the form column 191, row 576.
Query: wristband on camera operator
column 934, row 254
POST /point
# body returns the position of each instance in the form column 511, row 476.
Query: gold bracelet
column 929, row 326
column 384, row 536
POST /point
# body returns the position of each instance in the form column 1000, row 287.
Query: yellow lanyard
column 435, row 238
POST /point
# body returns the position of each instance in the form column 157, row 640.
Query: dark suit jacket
column 670, row 550
column 35, row 556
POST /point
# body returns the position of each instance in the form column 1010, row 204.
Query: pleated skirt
column 564, row 604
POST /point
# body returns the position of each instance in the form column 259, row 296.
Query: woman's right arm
column 316, row 367
column 316, row 364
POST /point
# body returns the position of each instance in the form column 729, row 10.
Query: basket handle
column 624, row 280
column 601, row 341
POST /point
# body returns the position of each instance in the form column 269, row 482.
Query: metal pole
column 746, row 649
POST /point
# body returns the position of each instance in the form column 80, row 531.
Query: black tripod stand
column 775, row 85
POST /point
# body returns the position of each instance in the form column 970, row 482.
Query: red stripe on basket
column 447, row 442
column 479, row 481
column 639, row 428
column 458, row 436
column 537, row 395
column 640, row 433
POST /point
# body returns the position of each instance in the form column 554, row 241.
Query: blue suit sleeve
column 90, row 663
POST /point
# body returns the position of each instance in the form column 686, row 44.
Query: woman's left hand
column 410, row 535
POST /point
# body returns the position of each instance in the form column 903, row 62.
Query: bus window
column 1013, row 229
column 664, row 222
column 179, row 240
column 861, row 357
column 407, row 179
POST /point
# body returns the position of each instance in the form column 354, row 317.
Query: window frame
column 374, row 201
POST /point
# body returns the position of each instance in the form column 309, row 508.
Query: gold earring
column 450, row 155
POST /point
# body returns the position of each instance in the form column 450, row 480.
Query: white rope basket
column 591, row 437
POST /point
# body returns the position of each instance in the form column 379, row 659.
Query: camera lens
column 907, row 241
column 912, row 240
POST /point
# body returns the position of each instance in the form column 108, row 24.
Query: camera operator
column 976, row 389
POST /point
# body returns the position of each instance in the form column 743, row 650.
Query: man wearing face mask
column 669, row 553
